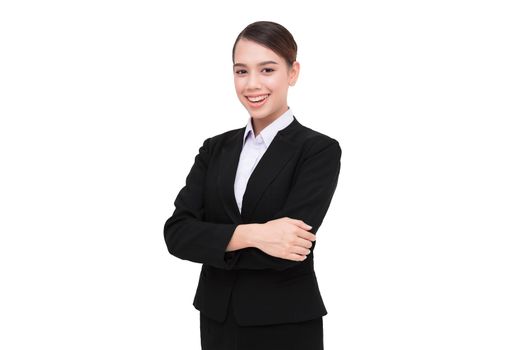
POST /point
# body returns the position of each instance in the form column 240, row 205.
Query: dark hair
column 271, row 35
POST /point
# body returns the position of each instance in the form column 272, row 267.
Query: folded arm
column 189, row 237
column 186, row 234
column 308, row 200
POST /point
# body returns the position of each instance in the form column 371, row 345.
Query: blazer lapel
column 268, row 167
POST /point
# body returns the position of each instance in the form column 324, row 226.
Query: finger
column 297, row 257
column 301, row 250
column 301, row 242
column 305, row 226
column 307, row 235
column 301, row 224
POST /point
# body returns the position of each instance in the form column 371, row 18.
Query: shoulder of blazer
column 310, row 141
column 316, row 141
column 212, row 143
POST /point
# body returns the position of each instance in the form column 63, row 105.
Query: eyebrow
column 260, row 64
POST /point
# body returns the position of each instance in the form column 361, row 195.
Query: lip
column 256, row 105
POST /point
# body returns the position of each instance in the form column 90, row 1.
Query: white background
column 104, row 105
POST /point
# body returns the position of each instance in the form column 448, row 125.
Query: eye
column 240, row 71
column 269, row 69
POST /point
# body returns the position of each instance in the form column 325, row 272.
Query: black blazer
column 296, row 177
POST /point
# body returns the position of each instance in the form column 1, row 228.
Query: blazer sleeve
column 308, row 200
column 186, row 234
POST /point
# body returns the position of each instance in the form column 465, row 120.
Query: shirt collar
column 269, row 132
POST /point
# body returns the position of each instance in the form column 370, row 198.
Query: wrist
column 251, row 235
column 244, row 236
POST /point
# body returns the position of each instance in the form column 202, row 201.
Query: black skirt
column 228, row 335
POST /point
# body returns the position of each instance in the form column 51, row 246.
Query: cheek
column 277, row 83
column 238, row 86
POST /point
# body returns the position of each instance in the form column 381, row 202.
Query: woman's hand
column 284, row 238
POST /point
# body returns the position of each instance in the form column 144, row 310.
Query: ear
column 294, row 73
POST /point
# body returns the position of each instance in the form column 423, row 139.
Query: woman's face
column 256, row 76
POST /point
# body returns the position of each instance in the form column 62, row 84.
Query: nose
column 253, row 82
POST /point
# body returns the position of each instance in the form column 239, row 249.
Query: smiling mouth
column 258, row 99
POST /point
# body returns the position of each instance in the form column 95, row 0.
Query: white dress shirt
column 254, row 148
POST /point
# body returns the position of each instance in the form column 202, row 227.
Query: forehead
column 248, row 52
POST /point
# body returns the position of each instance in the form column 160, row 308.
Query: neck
column 258, row 124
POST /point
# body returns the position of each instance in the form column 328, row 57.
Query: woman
column 246, row 208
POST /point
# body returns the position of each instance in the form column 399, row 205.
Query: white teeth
column 258, row 98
